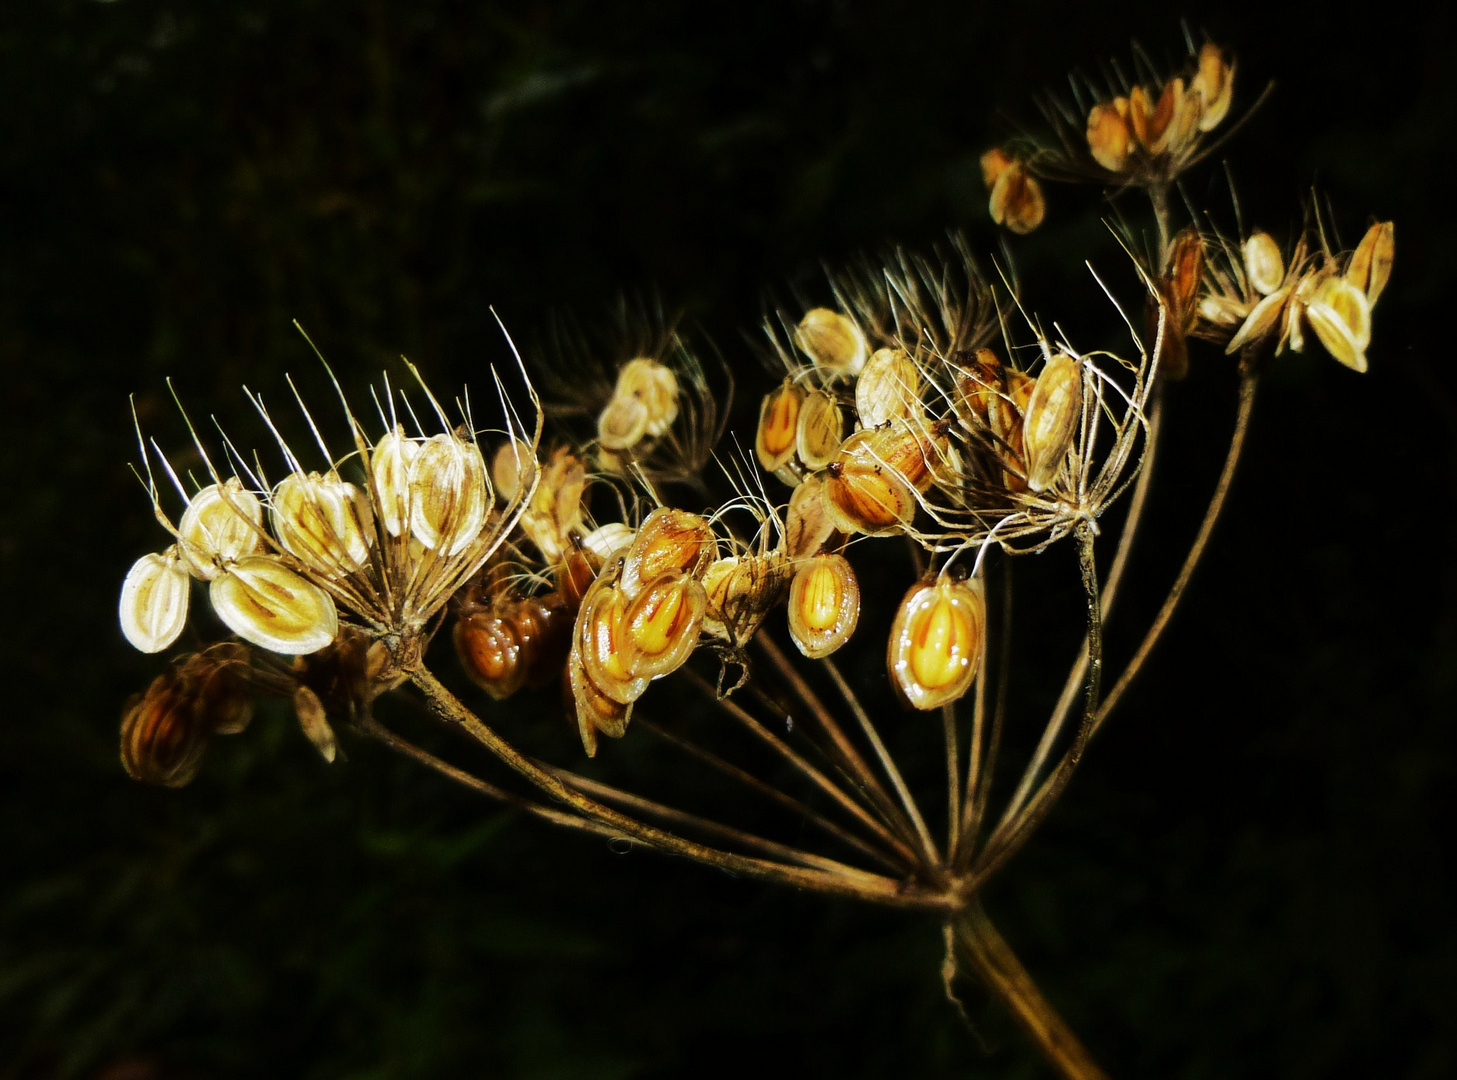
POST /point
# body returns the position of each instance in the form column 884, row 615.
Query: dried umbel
column 1016, row 197
column 824, row 605
column 936, row 641
column 165, row 731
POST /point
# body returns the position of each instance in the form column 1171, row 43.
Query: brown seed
column 936, row 642
column 1051, row 419
column 978, row 383
column 314, row 720
column 668, row 540
column 1110, row 139
column 490, row 653
column 824, row 605
column 163, row 739
column 832, row 341
column 817, row 437
column 778, row 425
column 862, row 494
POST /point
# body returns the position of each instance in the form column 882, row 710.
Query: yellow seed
column 832, row 341
column 824, row 605
column 668, row 540
column 778, row 425
column 600, row 641
column 222, row 523
column 888, row 389
column 266, row 603
column 1110, row 139
column 1264, row 265
column 154, row 600
column 663, row 624
column 936, row 642
column 1340, row 315
column 389, row 466
column 1051, row 419
column 817, row 436
column 512, row 462
column 1213, row 85
column 448, row 495
column 1017, row 201
column 323, row 522
column 1370, row 264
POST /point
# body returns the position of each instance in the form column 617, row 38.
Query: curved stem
column 1249, row 381
column 870, row 887
column 994, row 963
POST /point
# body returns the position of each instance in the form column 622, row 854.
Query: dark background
column 1250, row 874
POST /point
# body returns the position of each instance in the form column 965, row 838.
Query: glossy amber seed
column 774, row 443
column 595, row 711
column 668, row 540
column 490, row 653
column 600, row 640
column 824, row 605
column 663, row 623
column 936, row 642
column 1051, row 420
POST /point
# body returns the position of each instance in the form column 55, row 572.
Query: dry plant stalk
column 907, row 410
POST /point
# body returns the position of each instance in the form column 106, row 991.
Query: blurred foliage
column 1251, row 873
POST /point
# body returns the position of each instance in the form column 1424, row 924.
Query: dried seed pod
column 266, row 603
column 599, row 640
column 862, row 494
column 824, row 605
column 778, row 425
column 915, row 450
column 555, row 511
column 807, row 524
column 832, row 341
column 222, row 523
column 574, row 576
column 1168, row 124
column 389, row 467
column 656, row 386
column 449, row 495
column 512, row 461
column 1222, row 312
column 668, row 540
column 595, row 711
column 1340, row 315
column 543, row 626
column 888, row 389
column 163, row 735
column 1051, row 419
column 1370, row 264
column 315, row 722
column 1110, row 138
column 222, row 694
column 936, row 641
column 1261, row 320
column 490, row 653
column 323, row 522
column 978, row 384
column 1179, row 290
column 154, row 600
column 1213, row 85
column 1264, row 265
column 663, row 623
column 623, row 423
column 819, row 430
column 741, row 591
column 608, row 540
column 1016, row 197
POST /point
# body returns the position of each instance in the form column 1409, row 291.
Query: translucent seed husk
column 449, row 496
column 154, row 599
column 1264, row 265
column 936, row 642
column 1370, row 265
column 807, row 524
column 389, row 466
column 1261, row 320
column 323, row 522
column 741, row 591
column 668, row 540
column 774, row 443
column 824, row 605
column 314, row 720
column 600, row 642
column 222, row 523
column 595, row 710
column 1051, row 419
column 266, row 603
column 832, row 341
column 888, row 389
column 655, row 385
column 819, row 430
column 1213, row 84
column 1340, row 315
column 163, row 735
column 623, row 423
column 663, row 624
column 862, row 494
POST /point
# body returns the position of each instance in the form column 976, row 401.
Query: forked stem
column 990, row 958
